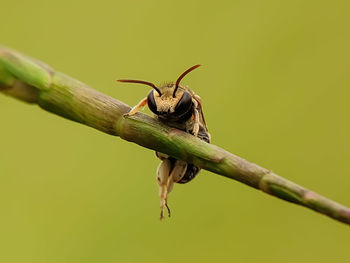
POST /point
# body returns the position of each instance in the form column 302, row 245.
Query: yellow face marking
column 166, row 102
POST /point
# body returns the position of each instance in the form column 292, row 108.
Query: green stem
column 32, row 81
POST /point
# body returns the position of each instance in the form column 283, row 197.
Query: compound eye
column 184, row 104
column 151, row 103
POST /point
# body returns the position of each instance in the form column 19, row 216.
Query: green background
column 275, row 88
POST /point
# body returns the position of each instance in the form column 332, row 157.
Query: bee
column 179, row 107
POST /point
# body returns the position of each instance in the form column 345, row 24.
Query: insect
column 180, row 107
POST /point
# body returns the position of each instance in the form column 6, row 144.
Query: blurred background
column 275, row 88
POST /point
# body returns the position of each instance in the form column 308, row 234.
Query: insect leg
column 178, row 172
column 175, row 175
column 196, row 118
column 136, row 108
column 198, row 99
column 167, row 174
column 163, row 172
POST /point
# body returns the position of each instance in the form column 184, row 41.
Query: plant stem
column 32, row 81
